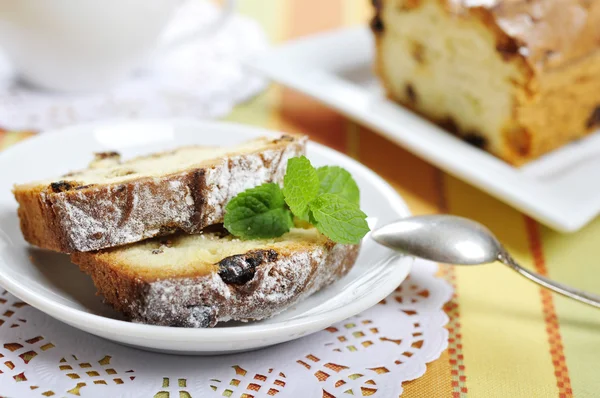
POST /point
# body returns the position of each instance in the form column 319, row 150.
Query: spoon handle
column 577, row 294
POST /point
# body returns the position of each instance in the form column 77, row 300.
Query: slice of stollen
column 114, row 203
column 200, row 280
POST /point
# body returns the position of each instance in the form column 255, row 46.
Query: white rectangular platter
column 559, row 190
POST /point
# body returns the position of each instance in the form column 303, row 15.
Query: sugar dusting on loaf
column 129, row 212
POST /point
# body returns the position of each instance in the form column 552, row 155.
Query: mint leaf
column 337, row 181
column 339, row 219
column 258, row 213
column 327, row 197
column 300, row 186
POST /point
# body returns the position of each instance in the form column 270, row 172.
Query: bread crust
column 80, row 219
column 283, row 278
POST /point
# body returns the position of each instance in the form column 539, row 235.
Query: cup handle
column 226, row 12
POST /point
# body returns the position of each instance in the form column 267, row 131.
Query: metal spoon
column 457, row 240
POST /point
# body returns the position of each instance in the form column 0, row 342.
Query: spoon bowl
column 444, row 239
column 460, row 241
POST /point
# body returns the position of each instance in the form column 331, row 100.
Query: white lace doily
column 370, row 354
column 201, row 79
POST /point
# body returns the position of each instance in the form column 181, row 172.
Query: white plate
column 558, row 190
column 49, row 282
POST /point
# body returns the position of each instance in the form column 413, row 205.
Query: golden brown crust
column 68, row 218
column 37, row 220
column 550, row 33
column 120, row 289
column 203, row 300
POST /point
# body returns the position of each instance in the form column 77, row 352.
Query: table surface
column 508, row 338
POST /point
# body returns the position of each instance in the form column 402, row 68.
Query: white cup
column 83, row 45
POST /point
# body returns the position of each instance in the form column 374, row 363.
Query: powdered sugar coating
column 241, row 173
column 117, row 214
column 205, row 301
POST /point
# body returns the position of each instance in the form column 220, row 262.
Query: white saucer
column 49, row 282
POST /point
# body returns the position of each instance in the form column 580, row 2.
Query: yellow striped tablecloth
column 508, row 338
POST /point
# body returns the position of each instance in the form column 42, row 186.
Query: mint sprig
column 337, row 181
column 258, row 213
column 300, row 186
column 339, row 219
column 327, row 197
